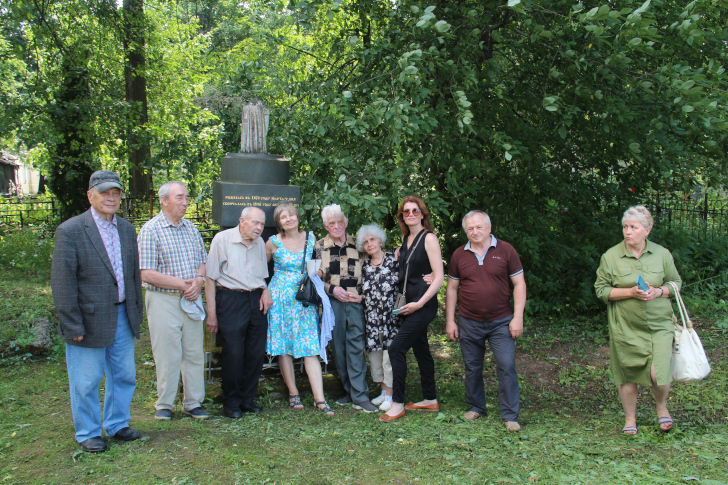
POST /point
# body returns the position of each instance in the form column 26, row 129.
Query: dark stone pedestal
column 258, row 180
column 254, row 168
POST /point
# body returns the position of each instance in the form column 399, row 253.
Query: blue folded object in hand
column 642, row 284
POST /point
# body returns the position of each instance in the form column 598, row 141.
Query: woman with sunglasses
column 419, row 255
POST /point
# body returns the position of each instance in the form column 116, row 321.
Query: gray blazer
column 84, row 286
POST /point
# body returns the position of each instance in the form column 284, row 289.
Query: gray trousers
column 473, row 335
column 349, row 339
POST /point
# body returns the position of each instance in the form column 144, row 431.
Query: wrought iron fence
column 140, row 210
column 25, row 212
column 702, row 214
column 43, row 213
column 699, row 213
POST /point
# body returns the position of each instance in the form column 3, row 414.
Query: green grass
column 570, row 417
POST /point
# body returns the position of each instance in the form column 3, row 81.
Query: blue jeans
column 473, row 335
column 87, row 366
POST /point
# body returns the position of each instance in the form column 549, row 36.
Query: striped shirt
column 110, row 236
column 174, row 251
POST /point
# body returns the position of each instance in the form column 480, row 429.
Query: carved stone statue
column 254, row 127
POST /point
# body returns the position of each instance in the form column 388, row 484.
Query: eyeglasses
column 407, row 212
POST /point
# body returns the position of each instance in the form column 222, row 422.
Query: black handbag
column 307, row 293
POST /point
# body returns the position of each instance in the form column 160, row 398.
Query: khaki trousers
column 178, row 348
column 381, row 367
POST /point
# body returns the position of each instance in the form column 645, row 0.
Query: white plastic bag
column 689, row 361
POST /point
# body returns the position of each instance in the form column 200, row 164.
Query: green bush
column 561, row 262
column 702, row 262
column 703, row 265
column 27, row 250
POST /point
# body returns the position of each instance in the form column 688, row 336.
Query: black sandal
column 326, row 409
column 295, row 402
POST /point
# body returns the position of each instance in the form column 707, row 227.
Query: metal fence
column 24, row 212
column 699, row 214
column 140, row 210
column 43, row 213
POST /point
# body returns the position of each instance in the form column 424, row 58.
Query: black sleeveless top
column 419, row 266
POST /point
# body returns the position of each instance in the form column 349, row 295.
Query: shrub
column 27, row 250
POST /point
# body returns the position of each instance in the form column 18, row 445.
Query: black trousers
column 413, row 334
column 242, row 333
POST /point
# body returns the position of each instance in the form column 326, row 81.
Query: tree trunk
column 72, row 158
column 138, row 149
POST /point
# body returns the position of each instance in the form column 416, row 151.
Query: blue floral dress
column 292, row 328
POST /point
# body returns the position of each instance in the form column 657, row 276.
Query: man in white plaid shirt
column 172, row 259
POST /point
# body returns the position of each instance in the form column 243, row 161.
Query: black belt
column 225, row 288
column 119, row 303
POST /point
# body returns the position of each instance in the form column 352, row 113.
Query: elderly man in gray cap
column 97, row 291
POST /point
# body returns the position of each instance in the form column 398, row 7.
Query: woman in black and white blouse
column 380, row 277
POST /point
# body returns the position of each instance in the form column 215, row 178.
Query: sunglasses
column 407, row 212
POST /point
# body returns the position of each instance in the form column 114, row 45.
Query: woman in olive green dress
column 640, row 322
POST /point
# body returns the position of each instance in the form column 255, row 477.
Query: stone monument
column 252, row 177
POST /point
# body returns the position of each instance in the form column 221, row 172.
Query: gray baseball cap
column 104, row 180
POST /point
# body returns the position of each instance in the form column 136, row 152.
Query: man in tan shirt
column 237, row 303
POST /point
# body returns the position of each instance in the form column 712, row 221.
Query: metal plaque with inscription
column 229, row 199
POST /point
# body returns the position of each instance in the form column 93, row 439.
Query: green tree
column 72, row 159
column 144, row 72
column 137, row 139
column 551, row 116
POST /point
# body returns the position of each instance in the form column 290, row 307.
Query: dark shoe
column 295, row 402
column 127, row 434
column 232, row 413
column 197, row 413
column 250, row 409
column 94, row 445
column 343, row 401
column 365, row 406
column 163, row 414
column 323, row 407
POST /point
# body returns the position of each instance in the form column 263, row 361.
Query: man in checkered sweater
column 341, row 273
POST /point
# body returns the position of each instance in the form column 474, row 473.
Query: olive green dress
column 640, row 332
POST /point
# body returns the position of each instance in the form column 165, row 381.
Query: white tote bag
column 689, row 362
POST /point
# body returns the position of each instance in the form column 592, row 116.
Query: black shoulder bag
column 401, row 299
column 307, row 293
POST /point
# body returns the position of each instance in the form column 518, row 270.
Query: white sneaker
column 379, row 399
column 386, row 404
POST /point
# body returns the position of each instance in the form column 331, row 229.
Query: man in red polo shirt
column 483, row 270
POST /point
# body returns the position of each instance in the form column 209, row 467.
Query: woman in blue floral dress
column 293, row 329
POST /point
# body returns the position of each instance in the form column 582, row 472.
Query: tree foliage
column 552, row 116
